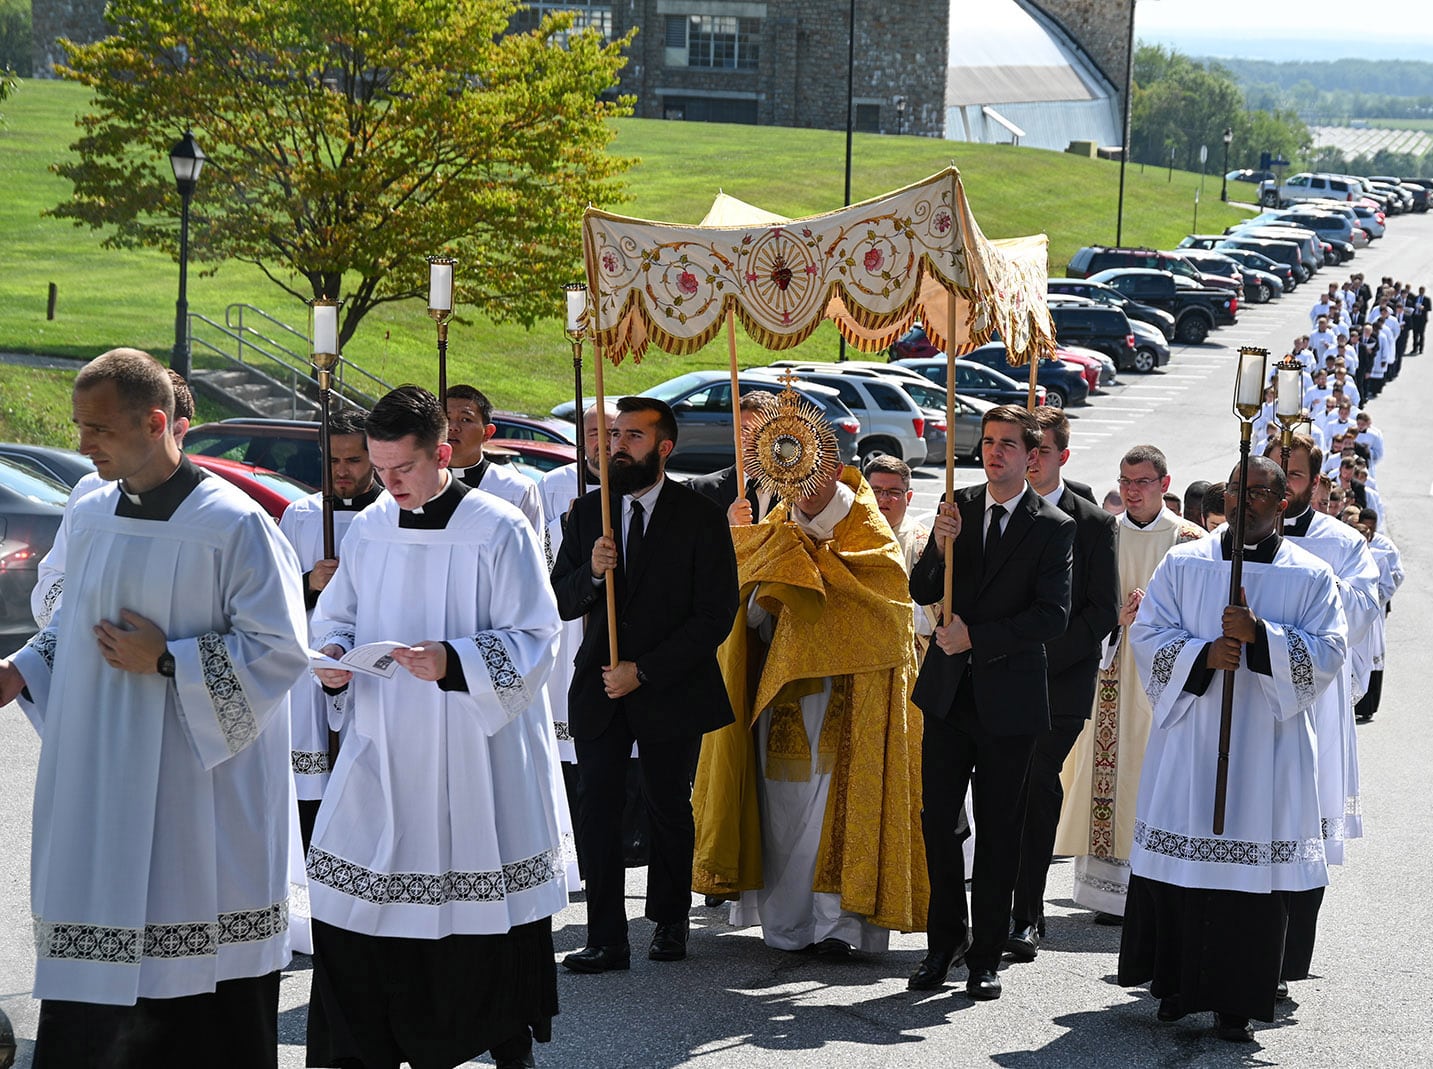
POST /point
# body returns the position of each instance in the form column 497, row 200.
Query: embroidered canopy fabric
column 873, row 268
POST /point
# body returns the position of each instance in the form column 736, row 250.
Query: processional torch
column 1248, row 398
column 576, row 330
column 440, row 308
column 324, row 332
column 1289, row 408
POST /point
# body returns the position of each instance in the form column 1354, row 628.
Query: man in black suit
column 676, row 592
column 1072, row 666
column 721, row 487
column 982, row 690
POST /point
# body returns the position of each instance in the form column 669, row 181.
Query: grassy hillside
column 127, row 298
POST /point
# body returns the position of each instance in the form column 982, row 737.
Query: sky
column 1304, row 29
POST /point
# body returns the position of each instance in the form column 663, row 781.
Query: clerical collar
column 1136, row 523
column 473, row 476
column 1298, row 527
column 359, row 503
column 434, row 514
column 161, row 502
column 1260, row 553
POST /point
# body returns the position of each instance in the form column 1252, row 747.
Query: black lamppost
column 1224, row 188
column 900, row 115
column 187, row 159
column 1124, row 127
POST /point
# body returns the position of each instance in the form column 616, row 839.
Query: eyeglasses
column 889, row 495
column 1138, row 484
column 1258, row 493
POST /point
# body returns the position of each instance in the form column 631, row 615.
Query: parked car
column 969, row 412
column 891, row 423
column 1091, row 260
column 1134, row 311
column 1372, row 220
column 1310, row 249
column 1284, row 252
column 287, row 446
column 1246, row 174
column 977, row 381
column 1150, row 347
column 539, row 456
column 1196, row 310
column 1306, row 186
column 1064, row 386
column 701, row 401
column 63, row 466
column 1097, row 368
column 516, row 426
column 1260, row 287
column 1257, row 261
column 1080, row 321
column 272, row 490
column 31, row 507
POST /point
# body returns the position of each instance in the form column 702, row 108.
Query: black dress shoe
column 1281, row 992
column 1109, row 920
column 669, row 942
column 1023, row 943
column 983, row 985
column 594, row 959
column 525, row 1062
column 1233, row 1029
column 1170, row 1010
column 835, row 950
column 931, row 974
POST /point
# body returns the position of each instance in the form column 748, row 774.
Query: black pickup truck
column 1196, row 309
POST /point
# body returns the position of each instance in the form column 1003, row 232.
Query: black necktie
column 634, row 537
column 992, row 533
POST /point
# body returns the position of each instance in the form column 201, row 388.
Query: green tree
column 348, row 139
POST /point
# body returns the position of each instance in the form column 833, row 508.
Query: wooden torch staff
column 736, row 407
column 1248, row 396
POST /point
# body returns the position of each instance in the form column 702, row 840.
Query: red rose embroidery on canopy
column 874, row 260
column 687, row 283
column 942, row 221
column 609, row 262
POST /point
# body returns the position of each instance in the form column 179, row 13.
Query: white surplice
column 163, row 807
column 1272, row 839
column 793, row 916
column 557, row 490
column 50, row 576
column 443, row 813
column 1346, row 552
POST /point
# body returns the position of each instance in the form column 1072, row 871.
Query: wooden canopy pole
column 1034, row 370
column 951, row 409
column 603, row 447
column 736, row 408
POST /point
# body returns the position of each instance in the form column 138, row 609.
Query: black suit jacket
column 673, row 611
column 1074, row 657
column 720, row 486
column 1012, row 608
column 1082, row 489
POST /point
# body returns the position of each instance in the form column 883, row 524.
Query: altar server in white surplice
column 162, row 803
column 1346, row 552
column 1206, row 913
column 354, row 489
column 436, row 862
column 470, row 424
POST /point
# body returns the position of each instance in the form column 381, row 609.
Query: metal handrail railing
column 363, row 394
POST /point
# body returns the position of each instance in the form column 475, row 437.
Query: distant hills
column 1344, row 41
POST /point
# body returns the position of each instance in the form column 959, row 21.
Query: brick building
column 921, row 66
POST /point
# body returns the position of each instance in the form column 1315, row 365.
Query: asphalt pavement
column 736, row 1004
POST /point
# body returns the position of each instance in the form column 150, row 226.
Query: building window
column 589, row 16
column 867, row 119
column 713, row 42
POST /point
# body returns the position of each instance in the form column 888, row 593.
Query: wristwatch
column 165, row 667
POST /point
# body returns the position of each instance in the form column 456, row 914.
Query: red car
column 544, row 456
column 1090, row 366
column 270, row 489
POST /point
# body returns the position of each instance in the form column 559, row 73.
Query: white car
column 891, row 422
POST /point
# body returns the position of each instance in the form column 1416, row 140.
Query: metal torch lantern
column 323, row 313
column 440, row 310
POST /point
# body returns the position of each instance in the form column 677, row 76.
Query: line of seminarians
column 175, row 652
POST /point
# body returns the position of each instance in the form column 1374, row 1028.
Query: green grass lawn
column 111, row 298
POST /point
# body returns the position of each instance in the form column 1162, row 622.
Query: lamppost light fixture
column 1228, row 134
column 187, row 160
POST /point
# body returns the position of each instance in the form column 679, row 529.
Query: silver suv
column 891, row 422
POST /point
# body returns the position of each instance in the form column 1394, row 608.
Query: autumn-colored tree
column 349, row 139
